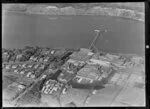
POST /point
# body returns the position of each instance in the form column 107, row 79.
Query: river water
column 123, row 36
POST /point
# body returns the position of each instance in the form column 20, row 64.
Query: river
column 123, row 36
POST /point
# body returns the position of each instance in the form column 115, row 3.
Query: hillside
column 127, row 10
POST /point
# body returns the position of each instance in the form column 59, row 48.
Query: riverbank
column 107, row 10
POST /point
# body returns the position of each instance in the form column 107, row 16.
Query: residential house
column 30, row 65
column 7, row 66
column 51, row 87
column 24, row 65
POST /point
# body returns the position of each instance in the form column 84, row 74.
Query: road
column 29, row 88
column 26, row 79
column 35, row 81
column 124, row 85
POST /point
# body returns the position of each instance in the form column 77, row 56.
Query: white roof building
column 100, row 62
column 51, row 7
